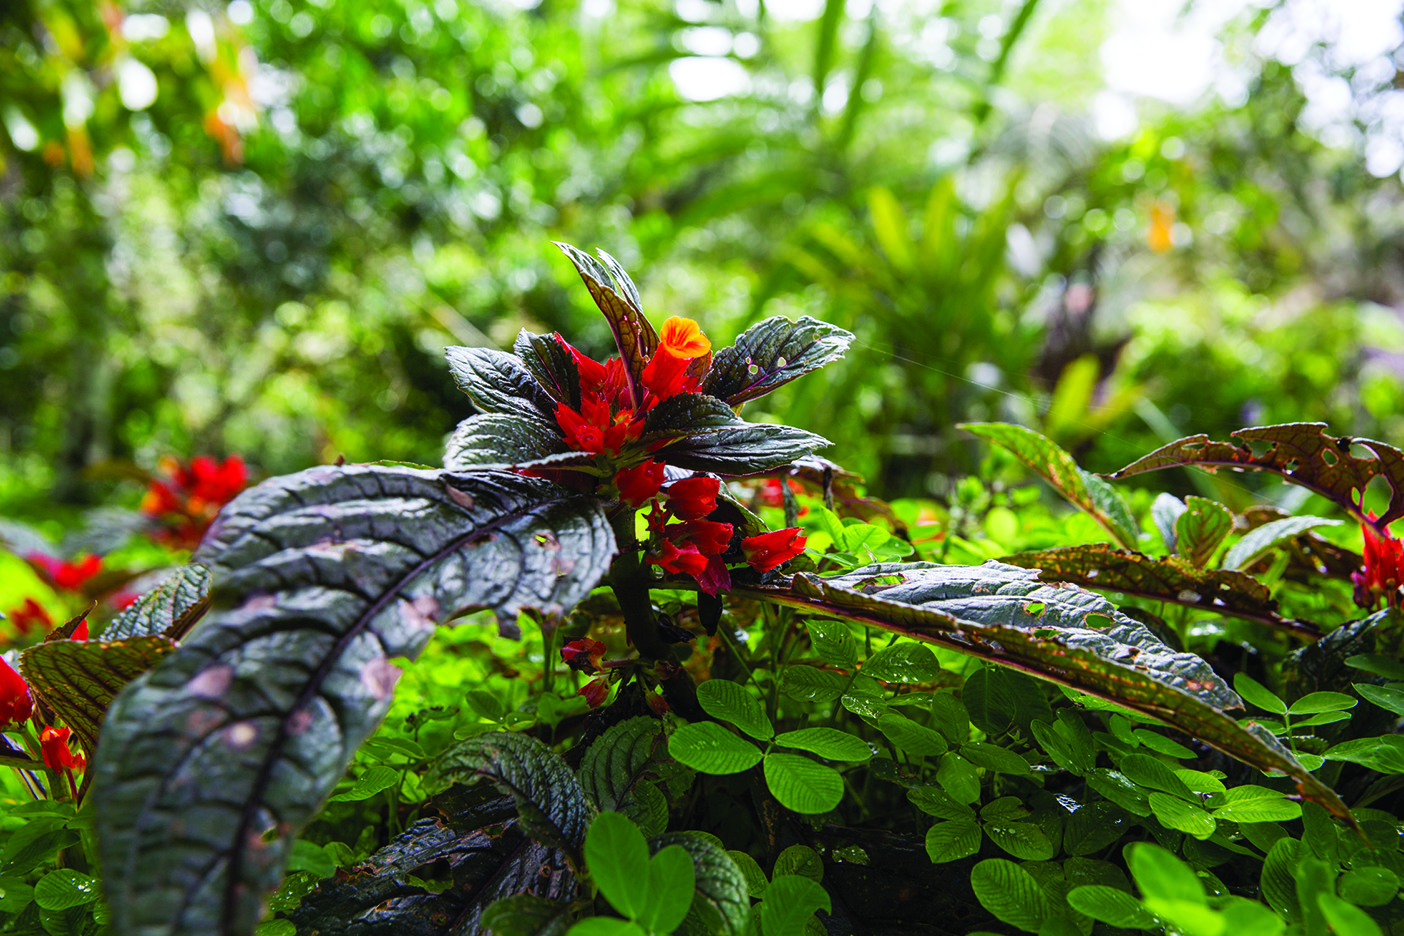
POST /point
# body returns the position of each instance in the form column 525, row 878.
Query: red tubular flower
column 68, row 576
column 1384, row 569
column 693, row 498
column 189, row 497
column 30, row 615
column 768, row 550
column 639, row 484
column 583, row 655
column 686, row 560
column 80, row 632
column 596, row 691
column 680, row 343
column 53, row 742
column 15, row 703
column 710, row 538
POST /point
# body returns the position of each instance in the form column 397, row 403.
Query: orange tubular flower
column 679, row 344
column 16, row 705
column 768, row 550
column 1384, row 569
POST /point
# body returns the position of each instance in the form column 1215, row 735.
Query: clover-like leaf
column 321, row 577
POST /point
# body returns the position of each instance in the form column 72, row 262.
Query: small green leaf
column 834, row 640
column 1185, row 817
column 1119, row 789
column 311, row 857
column 1344, row 918
column 1385, row 754
column 1201, row 528
column 65, row 888
column 15, row 894
column 801, row 860
column 518, row 915
column 1376, row 663
column 910, row 737
column 727, row 701
column 801, row 784
column 1254, row 804
column 1161, row 875
column 1146, row 771
column 373, row 781
column 936, row 802
column 669, row 894
column 1317, row 702
column 993, row 757
column 1093, row 827
column 864, row 697
column 1386, row 697
column 1269, row 535
column 617, row 856
column 958, row 778
column 1111, row 906
column 1278, row 881
column 789, row 902
column 1258, row 694
column 1162, row 745
column 756, row 880
column 606, row 926
column 950, row 841
column 1369, row 886
column 1011, row 894
column 828, row 743
column 811, row 684
column 1023, row 840
column 709, row 748
column 1200, row 782
column 905, row 662
column 949, row 716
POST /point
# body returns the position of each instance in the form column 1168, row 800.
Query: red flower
column 772, row 494
column 686, row 560
column 1384, row 569
column 596, row 691
column 190, row 497
column 15, row 703
column 583, row 655
column 638, row 484
column 81, row 631
column 667, row 373
column 53, row 742
column 710, row 538
column 69, row 576
column 768, row 550
column 29, row 615
column 693, row 498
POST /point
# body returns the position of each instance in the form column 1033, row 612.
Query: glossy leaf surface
column 770, row 354
column 322, row 577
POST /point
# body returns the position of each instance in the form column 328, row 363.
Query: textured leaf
column 811, row 684
column 1269, row 535
column 618, row 300
column 1103, row 567
column 551, row 364
column 79, row 679
column 64, row 888
column 498, row 382
column 903, row 663
column 483, row 849
column 168, row 610
column 329, row 573
column 527, row 915
column 951, row 841
column 686, row 414
column 827, row 742
column 1058, row 469
column 1005, row 615
column 497, row 440
column 1011, row 894
column 720, row 902
column 1385, row 754
column 801, row 784
column 1303, row 454
column 910, row 737
column 1201, row 528
column 1111, row 906
column 553, row 808
column 790, row 900
column 770, row 354
column 725, row 700
column 618, row 760
column 710, row 748
column 746, row 449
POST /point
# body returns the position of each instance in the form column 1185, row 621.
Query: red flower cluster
column 609, row 417
column 29, row 616
column 772, row 494
column 66, row 576
column 1384, row 569
column 190, row 496
column 53, row 742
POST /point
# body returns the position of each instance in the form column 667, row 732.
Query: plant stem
column 630, row 581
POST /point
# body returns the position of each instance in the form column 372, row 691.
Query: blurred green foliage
column 253, row 227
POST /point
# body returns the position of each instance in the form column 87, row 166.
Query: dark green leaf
column 1116, row 787
column 903, row 662
column 1058, row 469
column 801, row 784
column 993, row 757
column 790, row 901
column 936, row 802
column 1103, row 567
column 498, row 382
column 756, row 881
column 1383, row 696
column 34, row 843
column 829, row 743
column 552, row 806
column 1385, row 754
column 958, row 778
column 709, row 748
column 770, row 354
column 168, row 610
column 811, row 684
column 1279, row 876
column 1258, row 541
column 64, row 888
column 720, row 902
column 746, row 449
column 552, row 366
column 614, row 764
column 497, row 440
column 331, row 571
column 526, row 915
column 79, row 679
column 686, row 414
column 1094, row 827
column 801, row 860
column 1201, row 528
column 1023, row 840
column 1369, row 887
column 729, row 702
column 951, row 841
column 950, row 717
column 1175, row 813
column 864, row 697
column 1301, row 453
column 834, row 642
column 910, row 737
column 1011, row 894
column 1147, row 771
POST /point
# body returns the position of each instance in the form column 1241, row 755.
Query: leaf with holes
column 1301, row 453
column 333, row 570
column 770, row 354
column 1103, row 567
column 168, row 610
column 1098, row 499
column 1200, row 529
column 1076, row 638
column 79, row 679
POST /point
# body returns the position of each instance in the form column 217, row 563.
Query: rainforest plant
column 761, row 714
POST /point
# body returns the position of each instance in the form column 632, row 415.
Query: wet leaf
column 801, row 784
column 1103, row 567
column 1095, row 497
column 745, row 449
column 1011, row 894
column 709, row 748
column 497, row 440
column 1004, row 615
column 618, row 760
column 168, row 610
column 720, row 900
column 953, row 840
column 330, row 572
column 770, row 354
column 1303, row 454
